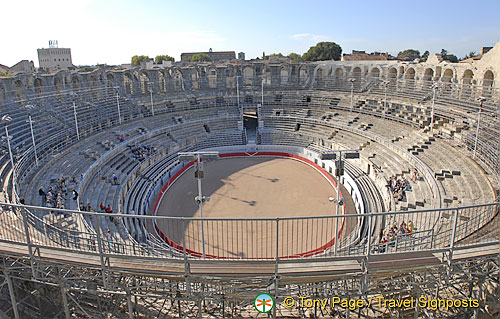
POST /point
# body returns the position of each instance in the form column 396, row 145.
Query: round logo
column 263, row 303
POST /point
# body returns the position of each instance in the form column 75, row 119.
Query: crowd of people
column 141, row 152
column 394, row 232
column 55, row 196
column 398, row 185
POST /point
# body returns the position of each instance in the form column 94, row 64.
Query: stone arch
column 19, row 90
column 162, row 81
column 447, row 76
column 302, row 74
column 178, row 80
column 58, row 85
column 488, row 79
column 75, row 83
column 2, row 93
column 248, row 74
column 375, row 73
column 212, row 78
column 195, row 79
column 401, row 71
column 410, row 74
column 94, row 86
column 38, row 86
column 128, row 83
column 338, row 74
column 467, row 77
column 144, row 80
column 393, row 73
column 110, row 80
column 284, row 75
column 428, row 74
column 230, row 83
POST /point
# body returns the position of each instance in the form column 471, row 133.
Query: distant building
column 152, row 65
column 22, row 67
column 214, row 56
column 363, row 56
column 54, row 58
column 4, row 69
column 241, row 56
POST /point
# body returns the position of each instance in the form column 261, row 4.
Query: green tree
column 424, row 56
column 160, row 58
column 323, row 51
column 200, row 57
column 470, row 55
column 137, row 59
column 296, row 58
column 266, row 57
column 408, row 55
column 448, row 57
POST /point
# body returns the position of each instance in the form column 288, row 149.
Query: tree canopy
column 448, row 57
column 424, row 56
column 200, row 57
column 323, row 51
column 408, row 55
column 137, row 59
column 296, row 58
column 160, row 58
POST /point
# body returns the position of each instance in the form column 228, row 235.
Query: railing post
column 99, row 247
column 28, row 241
column 12, row 294
column 276, row 269
column 453, row 233
column 368, row 237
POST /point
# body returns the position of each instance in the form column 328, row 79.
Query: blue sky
column 112, row 31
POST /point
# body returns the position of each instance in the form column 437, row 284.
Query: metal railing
column 276, row 239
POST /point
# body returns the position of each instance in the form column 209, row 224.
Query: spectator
column 75, row 194
column 89, row 208
column 115, row 179
column 102, row 207
column 110, row 211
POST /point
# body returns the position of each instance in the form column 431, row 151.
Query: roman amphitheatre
column 414, row 147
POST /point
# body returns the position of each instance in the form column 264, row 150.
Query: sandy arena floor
column 252, row 187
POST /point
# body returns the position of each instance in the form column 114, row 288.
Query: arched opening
column 320, row 75
column 230, row 78
column 19, row 90
column 248, row 76
column 75, row 83
column 94, row 86
column 447, row 76
column 375, row 73
column 212, row 78
column 195, row 79
column 38, row 87
column 128, row 84
column 428, row 74
column 467, row 83
column 2, row 93
column 302, row 75
column 284, row 76
column 58, row 85
column 393, row 73
column 338, row 75
column 110, row 80
column 162, row 82
column 488, row 80
column 410, row 74
column 178, row 81
column 144, row 82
